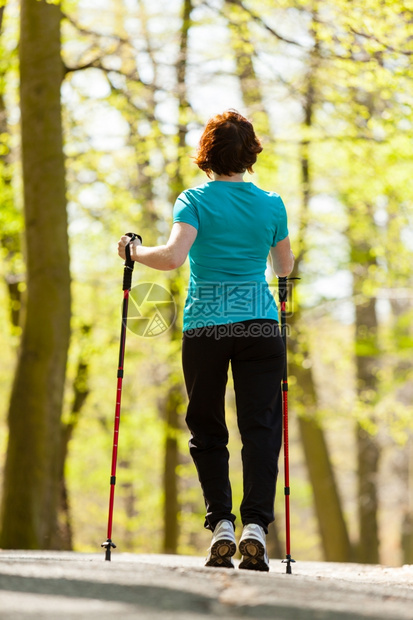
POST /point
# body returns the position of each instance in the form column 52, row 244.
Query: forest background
column 101, row 106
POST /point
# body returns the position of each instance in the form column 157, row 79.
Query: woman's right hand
column 123, row 242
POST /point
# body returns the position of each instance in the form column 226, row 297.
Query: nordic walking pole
column 127, row 284
column 282, row 297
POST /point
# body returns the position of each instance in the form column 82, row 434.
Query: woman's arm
column 163, row 257
column 282, row 258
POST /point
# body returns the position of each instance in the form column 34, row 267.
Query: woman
column 228, row 227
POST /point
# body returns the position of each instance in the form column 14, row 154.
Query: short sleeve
column 281, row 228
column 185, row 211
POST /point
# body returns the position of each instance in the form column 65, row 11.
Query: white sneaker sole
column 253, row 555
column 221, row 553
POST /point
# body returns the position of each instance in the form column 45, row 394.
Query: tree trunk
column 366, row 351
column 333, row 530
column 243, row 50
column 31, row 482
column 80, row 394
column 332, row 526
column 175, row 395
column 368, row 454
column 170, row 481
column 406, row 541
column 402, row 333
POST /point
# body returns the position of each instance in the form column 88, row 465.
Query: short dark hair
column 228, row 145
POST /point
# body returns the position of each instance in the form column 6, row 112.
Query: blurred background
column 102, row 103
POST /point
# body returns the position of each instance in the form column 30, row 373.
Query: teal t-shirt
column 237, row 223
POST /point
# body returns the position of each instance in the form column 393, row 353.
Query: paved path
column 54, row 585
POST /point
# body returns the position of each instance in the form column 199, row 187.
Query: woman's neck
column 235, row 178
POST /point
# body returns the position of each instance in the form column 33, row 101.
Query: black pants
column 256, row 352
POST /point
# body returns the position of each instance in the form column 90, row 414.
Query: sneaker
column 253, row 549
column 222, row 546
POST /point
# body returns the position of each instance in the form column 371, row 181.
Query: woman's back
column 237, row 223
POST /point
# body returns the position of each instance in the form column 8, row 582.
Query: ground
column 51, row 585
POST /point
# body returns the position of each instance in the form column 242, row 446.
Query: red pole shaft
column 285, row 435
column 282, row 297
column 117, row 413
column 114, row 455
column 126, row 287
column 286, row 469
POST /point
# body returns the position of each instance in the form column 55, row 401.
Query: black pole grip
column 282, row 289
column 129, row 263
column 127, row 278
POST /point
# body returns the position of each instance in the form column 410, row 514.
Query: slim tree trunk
column 368, row 451
column 366, row 351
column 175, row 395
column 407, row 523
column 80, row 394
column 327, row 503
column 170, row 478
column 243, row 50
column 31, row 482
column 402, row 332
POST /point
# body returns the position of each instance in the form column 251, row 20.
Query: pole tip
column 107, row 546
column 288, row 561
